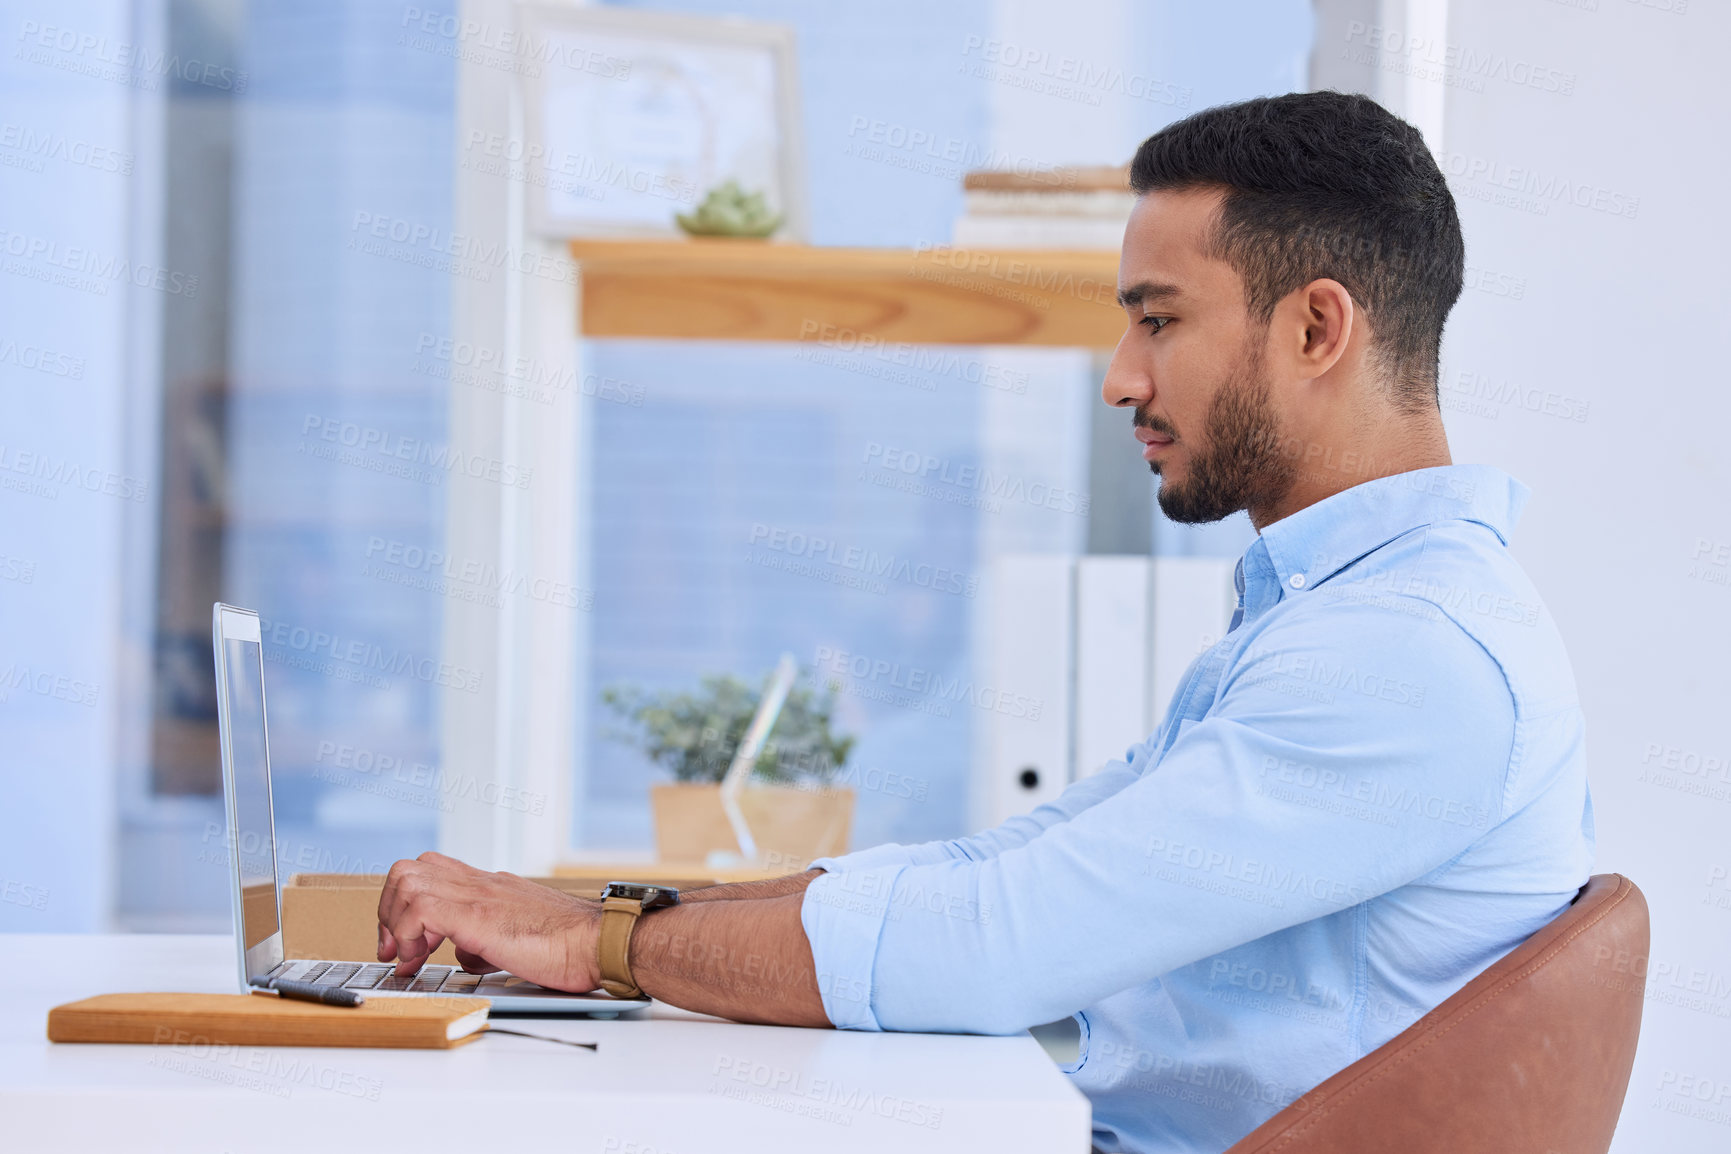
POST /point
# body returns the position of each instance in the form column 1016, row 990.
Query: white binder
column 1027, row 651
column 1113, row 659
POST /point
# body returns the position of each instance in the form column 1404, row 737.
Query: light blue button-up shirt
column 1368, row 791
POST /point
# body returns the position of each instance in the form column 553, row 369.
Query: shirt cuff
column 843, row 915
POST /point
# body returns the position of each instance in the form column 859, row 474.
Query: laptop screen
column 254, row 848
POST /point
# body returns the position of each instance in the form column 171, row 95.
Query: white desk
column 667, row 1083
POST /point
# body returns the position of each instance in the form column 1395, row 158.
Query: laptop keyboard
column 378, row 976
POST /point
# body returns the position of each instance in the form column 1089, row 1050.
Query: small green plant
column 696, row 734
column 728, row 210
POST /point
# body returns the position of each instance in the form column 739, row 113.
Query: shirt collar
column 1301, row 551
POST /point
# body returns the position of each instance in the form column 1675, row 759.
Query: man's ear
column 1317, row 322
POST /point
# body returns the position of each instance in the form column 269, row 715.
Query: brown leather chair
column 1531, row 1055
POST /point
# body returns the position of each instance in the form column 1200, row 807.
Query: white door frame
column 515, row 735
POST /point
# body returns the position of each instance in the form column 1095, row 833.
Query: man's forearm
column 745, row 960
column 742, row 891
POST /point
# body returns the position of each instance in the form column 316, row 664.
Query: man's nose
column 1127, row 384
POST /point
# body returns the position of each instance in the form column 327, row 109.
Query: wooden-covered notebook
column 266, row 1020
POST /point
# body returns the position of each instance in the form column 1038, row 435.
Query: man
column 1370, row 789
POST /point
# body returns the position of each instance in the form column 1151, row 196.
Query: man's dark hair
column 1326, row 184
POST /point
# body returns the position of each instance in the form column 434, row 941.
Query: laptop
column 257, row 893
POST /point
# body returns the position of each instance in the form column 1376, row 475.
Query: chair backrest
column 1533, row 1054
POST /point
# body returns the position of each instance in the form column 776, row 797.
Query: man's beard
column 1237, row 462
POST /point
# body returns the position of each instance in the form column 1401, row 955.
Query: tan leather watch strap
column 618, row 917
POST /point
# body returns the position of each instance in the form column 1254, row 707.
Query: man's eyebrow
column 1147, row 291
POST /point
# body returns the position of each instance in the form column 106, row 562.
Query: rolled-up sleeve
column 1348, row 752
column 843, row 921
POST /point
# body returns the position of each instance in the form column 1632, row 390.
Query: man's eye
column 1155, row 324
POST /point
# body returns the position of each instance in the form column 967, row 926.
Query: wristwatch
column 622, row 903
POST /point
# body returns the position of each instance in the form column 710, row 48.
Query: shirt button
column 1296, row 580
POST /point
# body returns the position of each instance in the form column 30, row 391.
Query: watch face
column 652, row 897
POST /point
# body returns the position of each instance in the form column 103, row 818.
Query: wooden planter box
column 792, row 827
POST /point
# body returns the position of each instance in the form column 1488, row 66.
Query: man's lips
column 1152, row 442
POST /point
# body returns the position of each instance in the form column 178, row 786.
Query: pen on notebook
column 307, row 992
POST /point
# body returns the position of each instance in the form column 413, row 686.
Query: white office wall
column 1585, row 145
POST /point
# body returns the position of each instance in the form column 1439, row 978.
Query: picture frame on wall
column 631, row 118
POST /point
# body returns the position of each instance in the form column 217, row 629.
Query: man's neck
column 1340, row 459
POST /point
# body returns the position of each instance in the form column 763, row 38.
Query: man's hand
column 739, row 951
column 496, row 921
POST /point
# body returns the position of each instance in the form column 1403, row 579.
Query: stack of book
column 1061, row 208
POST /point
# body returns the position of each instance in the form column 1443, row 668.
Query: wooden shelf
column 742, row 290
